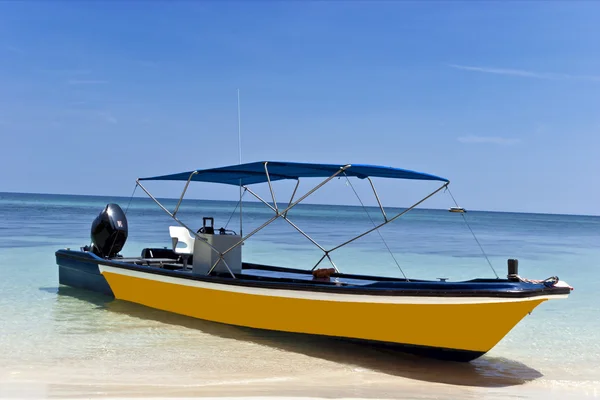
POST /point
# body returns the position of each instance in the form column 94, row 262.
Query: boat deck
column 255, row 272
column 307, row 276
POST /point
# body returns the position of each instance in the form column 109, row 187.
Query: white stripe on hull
column 321, row 296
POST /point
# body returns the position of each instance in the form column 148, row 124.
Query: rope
column 131, row 198
column 373, row 222
column 548, row 282
column 236, row 206
column 473, row 233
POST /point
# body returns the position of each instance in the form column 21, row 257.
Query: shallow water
column 63, row 342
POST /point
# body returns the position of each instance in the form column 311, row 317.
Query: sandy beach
column 366, row 387
column 276, row 365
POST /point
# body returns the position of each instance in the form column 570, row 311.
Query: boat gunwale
column 331, row 287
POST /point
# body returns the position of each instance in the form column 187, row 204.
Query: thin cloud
column 489, row 139
column 86, row 82
column 524, row 73
column 65, row 71
column 148, row 64
column 15, row 50
column 108, row 117
column 93, row 114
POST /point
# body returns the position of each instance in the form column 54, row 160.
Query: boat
column 457, row 209
column 201, row 274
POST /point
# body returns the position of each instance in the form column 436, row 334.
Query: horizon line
column 311, row 204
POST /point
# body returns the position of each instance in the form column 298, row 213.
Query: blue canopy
column 251, row 173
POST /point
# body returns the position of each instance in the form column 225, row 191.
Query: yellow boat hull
column 463, row 324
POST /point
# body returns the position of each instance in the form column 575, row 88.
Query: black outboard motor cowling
column 109, row 231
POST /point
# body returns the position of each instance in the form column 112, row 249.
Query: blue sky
column 501, row 98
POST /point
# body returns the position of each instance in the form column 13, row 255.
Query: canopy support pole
column 293, row 194
column 287, row 220
column 241, row 194
column 217, row 263
column 202, row 240
column 391, row 219
column 271, row 187
column 377, row 197
column 342, row 169
column 319, row 262
column 284, row 213
column 374, row 224
column 184, row 190
column 332, row 263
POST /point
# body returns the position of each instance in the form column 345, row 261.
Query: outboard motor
column 109, row 231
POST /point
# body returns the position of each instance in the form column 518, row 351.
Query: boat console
column 208, row 245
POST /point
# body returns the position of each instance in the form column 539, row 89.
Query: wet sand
column 365, row 386
column 241, row 362
column 131, row 351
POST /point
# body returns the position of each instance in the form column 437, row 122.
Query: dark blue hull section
column 81, row 272
column 438, row 353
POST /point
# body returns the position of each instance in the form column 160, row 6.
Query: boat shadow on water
column 487, row 371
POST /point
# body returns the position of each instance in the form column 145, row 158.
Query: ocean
column 58, row 341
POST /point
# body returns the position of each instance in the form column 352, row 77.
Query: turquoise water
column 69, row 341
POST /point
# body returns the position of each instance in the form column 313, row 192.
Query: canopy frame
column 282, row 213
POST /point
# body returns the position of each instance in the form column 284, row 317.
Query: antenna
column 240, row 149
column 239, row 126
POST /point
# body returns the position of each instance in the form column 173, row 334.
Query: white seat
column 180, row 235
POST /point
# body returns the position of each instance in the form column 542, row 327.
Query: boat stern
column 80, row 269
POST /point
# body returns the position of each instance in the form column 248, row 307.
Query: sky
column 502, row 98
